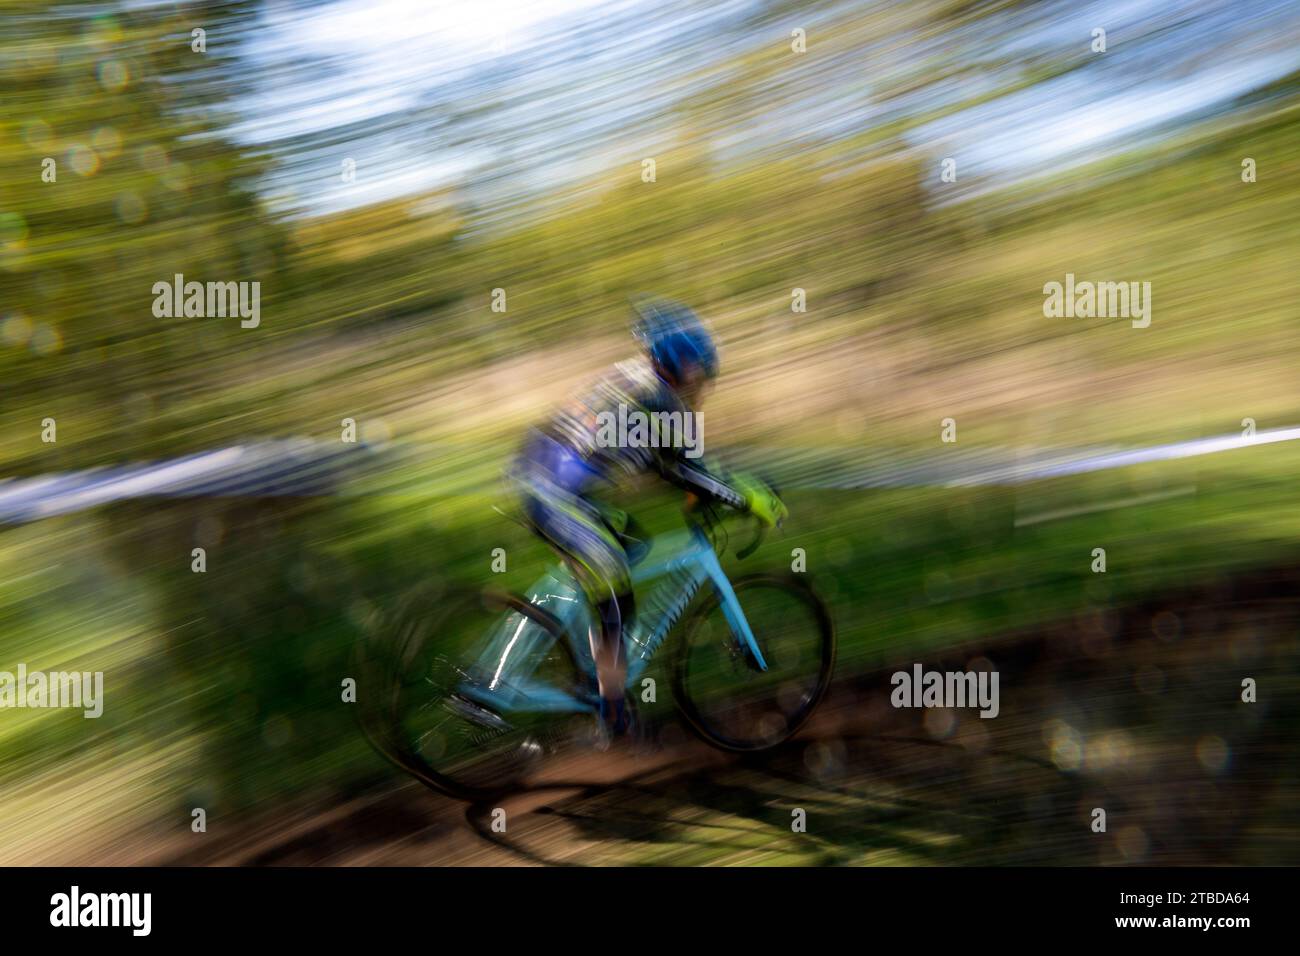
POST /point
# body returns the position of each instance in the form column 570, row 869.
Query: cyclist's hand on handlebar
column 762, row 503
column 768, row 509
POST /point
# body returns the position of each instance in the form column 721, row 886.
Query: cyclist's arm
column 742, row 492
column 706, row 482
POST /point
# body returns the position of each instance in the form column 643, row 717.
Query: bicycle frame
column 515, row 646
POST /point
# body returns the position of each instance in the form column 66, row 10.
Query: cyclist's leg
column 575, row 528
column 633, row 538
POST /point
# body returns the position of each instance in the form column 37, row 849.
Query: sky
column 502, row 97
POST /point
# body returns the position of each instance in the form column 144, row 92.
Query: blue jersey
column 628, row 422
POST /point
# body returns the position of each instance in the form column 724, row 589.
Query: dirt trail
column 1136, row 712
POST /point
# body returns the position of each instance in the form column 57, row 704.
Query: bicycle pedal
column 532, row 748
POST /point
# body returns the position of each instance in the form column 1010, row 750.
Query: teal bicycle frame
column 502, row 677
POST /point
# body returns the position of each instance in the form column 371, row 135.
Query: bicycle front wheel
column 723, row 693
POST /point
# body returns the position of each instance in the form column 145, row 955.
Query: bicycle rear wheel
column 411, row 707
column 720, row 690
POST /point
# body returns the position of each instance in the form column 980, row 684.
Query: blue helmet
column 674, row 337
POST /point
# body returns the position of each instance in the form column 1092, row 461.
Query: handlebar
column 711, row 516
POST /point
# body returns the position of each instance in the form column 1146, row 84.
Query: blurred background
column 381, row 167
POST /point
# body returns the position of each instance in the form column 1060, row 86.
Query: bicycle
column 476, row 730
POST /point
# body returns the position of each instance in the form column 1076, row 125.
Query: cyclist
column 568, row 463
